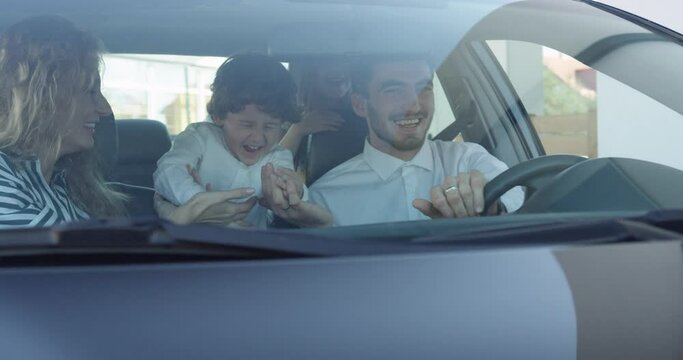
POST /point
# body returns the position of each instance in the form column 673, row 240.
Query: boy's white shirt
column 202, row 145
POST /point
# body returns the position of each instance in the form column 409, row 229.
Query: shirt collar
column 385, row 165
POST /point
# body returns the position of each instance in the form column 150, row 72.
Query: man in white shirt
column 400, row 176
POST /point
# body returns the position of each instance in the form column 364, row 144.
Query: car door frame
column 487, row 108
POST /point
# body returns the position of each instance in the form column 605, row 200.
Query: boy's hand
column 281, row 194
column 293, row 184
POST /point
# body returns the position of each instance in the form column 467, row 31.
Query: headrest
column 106, row 144
column 141, row 140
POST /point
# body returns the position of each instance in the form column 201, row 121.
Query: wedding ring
column 452, row 188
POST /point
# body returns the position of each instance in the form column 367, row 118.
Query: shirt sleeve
column 171, row 179
column 479, row 159
column 18, row 208
column 284, row 158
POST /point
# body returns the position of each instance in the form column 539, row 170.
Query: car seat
column 129, row 150
column 107, row 145
column 141, row 143
column 325, row 150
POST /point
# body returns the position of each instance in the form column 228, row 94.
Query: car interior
column 574, row 273
column 487, row 110
column 128, row 151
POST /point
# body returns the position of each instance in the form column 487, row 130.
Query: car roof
column 223, row 27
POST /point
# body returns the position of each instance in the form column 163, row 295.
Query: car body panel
column 401, row 307
column 602, row 301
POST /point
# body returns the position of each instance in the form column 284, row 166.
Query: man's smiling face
column 399, row 107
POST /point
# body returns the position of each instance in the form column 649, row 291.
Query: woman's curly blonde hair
column 44, row 62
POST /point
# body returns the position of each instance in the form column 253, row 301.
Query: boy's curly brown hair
column 253, row 79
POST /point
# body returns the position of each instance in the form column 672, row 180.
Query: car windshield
column 355, row 119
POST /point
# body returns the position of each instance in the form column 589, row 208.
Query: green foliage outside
column 561, row 99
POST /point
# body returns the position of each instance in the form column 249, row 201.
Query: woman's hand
column 209, row 208
column 312, row 122
column 317, row 121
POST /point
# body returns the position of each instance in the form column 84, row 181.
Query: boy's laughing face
column 250, row 133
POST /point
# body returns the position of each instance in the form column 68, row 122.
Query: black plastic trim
column 648, row 24
column 603, row 47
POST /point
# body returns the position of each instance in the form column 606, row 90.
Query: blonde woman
column 50, row 102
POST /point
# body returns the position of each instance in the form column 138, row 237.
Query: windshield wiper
column 152, row 241
column 580, row 232
column 665, row 219
column 117, row 241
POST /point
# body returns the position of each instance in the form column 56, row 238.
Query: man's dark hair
column 363, row 68
column 253, row 79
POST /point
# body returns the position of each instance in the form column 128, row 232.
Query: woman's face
column 79, row 127
column 332, row 80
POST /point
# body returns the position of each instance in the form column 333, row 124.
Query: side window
column 175, row 89
column 443, row 114
column 171, row 89
column 578, row 110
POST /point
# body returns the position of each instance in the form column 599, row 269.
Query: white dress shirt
column 375, row 187
column 202, row 145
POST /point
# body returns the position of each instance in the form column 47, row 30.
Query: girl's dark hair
column 253, row 79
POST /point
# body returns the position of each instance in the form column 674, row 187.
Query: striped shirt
column 28, row 200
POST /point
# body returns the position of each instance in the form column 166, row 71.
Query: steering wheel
column 533, row 174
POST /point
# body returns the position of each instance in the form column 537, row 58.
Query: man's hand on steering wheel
column 458, row 196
